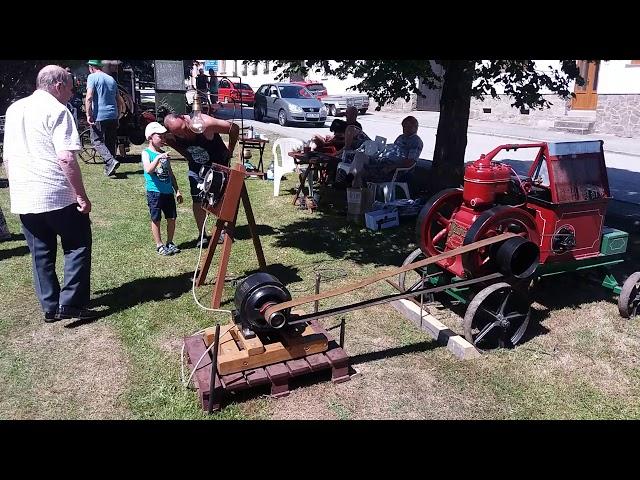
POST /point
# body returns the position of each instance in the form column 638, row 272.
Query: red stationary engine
column 456, row 217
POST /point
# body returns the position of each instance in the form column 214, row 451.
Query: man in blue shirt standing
column 102, row 114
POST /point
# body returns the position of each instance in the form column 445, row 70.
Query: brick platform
column 277, row 375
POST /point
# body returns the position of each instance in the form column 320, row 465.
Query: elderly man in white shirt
column 46, row 191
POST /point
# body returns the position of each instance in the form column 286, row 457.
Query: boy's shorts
column 161, row 202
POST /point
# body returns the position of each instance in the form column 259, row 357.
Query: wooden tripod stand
column 227, row 212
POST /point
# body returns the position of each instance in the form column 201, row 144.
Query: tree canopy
column 387, row 80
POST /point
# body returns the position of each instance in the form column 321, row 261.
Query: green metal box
column 613, row 241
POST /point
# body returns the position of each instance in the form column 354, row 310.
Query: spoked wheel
column 497, row 317
column 434, row 220
column 88, row 153
column 496, row 220
column 629, row 299
column 411, row 279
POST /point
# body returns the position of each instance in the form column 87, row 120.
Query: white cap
column 153, row 127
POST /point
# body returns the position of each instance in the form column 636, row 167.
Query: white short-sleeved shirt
column 37, row 128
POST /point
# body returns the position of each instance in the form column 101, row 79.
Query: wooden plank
column 253, row 346
column 296, row 347
column 441, row 333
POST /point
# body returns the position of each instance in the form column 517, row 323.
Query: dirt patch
column 79, row 373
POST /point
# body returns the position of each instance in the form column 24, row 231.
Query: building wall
column 618, row 115
column 618, row 77
column 502, row 111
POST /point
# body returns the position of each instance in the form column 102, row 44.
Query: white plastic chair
column 283, row 163
column 386, row 192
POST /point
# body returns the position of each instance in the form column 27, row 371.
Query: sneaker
column 221, row 239
column 162, row 250
column 50, row 317
column 111, row 169
column 65, row 312
column 172, row 247
column 203, row 243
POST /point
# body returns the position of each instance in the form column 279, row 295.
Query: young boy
column 160, row 183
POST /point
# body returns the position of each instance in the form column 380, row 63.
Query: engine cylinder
column 517, row 257
column 483, row 180
column 257, row 292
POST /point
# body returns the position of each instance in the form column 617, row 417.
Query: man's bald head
column 57, row 81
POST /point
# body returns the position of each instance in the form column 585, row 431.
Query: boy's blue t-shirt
column 105, row 91
column 160, row 180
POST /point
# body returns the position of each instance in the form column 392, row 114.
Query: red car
column 229, row 91
column 317, row 89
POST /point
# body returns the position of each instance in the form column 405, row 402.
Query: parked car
column 337, row 104
column 229, row 91
column 288, row 102
column 316, row 88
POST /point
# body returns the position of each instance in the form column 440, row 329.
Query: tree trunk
column 451, row 138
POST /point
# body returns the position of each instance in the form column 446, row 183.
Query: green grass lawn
column 580, row 362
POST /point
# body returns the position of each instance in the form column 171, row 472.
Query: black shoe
column 50, row 317
column 110, row 170
column 65, row 313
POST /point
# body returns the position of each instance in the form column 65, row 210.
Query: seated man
column 404, row 152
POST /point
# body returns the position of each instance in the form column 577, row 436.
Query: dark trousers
column 74, row 229
column 104, row 137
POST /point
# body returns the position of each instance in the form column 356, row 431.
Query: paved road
column 622, row 155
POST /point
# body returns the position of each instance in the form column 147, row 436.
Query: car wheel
column 282, row 118
column 332, row 110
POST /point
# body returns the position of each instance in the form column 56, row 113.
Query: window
column 223, row 67
column 266, row 67
column 244, row 69
column 254, row 69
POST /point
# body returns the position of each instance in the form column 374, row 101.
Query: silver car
column 288, row 103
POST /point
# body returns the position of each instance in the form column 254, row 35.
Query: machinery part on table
column 433, row 221
column 492, row 222
column 88, row 152
column 629, row 299
column 517, row 257
column 396, row 271
column 410, row 280
column 256, row 293
column 497, row 317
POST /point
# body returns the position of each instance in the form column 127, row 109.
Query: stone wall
column 618, row 115
column 400, row 105
column 502, row 111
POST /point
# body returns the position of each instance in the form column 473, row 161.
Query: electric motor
column 254, row 295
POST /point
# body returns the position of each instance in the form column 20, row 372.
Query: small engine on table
column 456, row 217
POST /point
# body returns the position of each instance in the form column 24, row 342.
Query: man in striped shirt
column 46, row 191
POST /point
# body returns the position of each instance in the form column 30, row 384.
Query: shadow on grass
column 242, row 232
column 127, row 174
column 14, row 252
column 394, row 352
column 140, row 290
column 340, row 239
column 284, row 273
